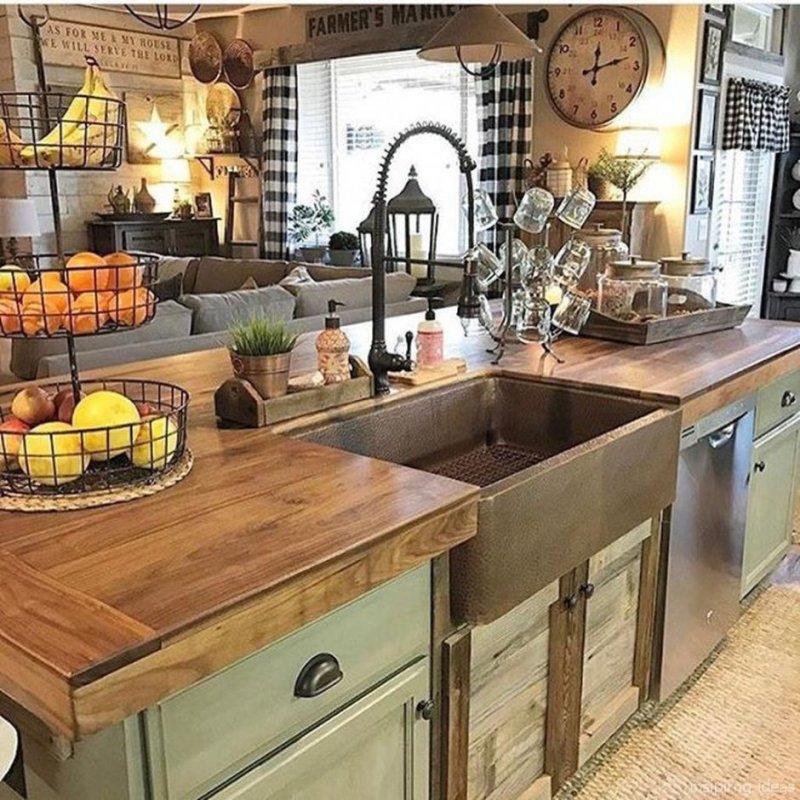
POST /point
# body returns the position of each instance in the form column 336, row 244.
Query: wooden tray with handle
column 679, row 326
column 237, row 403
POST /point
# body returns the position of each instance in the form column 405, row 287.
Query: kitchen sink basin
column 563, row 472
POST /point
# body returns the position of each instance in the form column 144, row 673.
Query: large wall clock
column 599, row 63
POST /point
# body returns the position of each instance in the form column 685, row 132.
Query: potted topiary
column 261, row 353
column 342, row 248
column 307, row 222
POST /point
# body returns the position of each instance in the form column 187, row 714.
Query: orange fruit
column 124, row 272
column 44, row 304
column 87, row 314
column 132, row 307
column 87, row 272
column 10, row 316
column 13, row 281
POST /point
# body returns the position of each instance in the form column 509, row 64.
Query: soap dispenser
column 333, row 348
column 430, row 337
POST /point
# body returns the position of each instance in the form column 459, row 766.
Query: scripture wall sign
column 67, row 43
column 339, row 21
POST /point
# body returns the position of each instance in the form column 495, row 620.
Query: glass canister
column 632, row 290
column 691, row 284
column 606, row 246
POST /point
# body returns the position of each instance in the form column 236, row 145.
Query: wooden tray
column 236, row 401
column 600, row 326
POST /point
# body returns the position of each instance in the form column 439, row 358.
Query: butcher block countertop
column 105, row 612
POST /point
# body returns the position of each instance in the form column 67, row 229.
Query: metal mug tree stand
column 95, row 142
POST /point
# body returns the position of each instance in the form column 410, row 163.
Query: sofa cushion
column 217, row 312
column 215, row 275
column 322, row 272
column 168, row 288
column 312, row 299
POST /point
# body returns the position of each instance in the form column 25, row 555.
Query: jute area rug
column 733, row 733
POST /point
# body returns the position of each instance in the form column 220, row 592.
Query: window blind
column 739, row 224
column 351, row 108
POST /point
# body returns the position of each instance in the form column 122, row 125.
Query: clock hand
column 612, row 63
column 594, row 68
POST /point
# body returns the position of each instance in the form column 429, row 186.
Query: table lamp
column 18, row 219
column 176, row 172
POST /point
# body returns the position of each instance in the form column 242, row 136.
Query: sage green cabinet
column 375, row 748
column 770, row 511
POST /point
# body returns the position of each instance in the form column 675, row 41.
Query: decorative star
column 155, row 130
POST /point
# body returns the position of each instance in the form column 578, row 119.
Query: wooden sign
column 116, row 50
column 379, row 20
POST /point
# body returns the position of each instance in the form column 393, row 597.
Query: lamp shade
column 639, row 143
column 175, row 170
column 18, row 218
column 479, row 35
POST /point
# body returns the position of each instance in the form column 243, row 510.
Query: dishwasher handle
column 721, row 437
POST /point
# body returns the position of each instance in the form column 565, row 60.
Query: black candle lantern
column 413, row 225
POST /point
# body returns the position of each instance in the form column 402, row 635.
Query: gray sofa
column 211, row 299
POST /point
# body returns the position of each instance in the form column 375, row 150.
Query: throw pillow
column 249, row 284
column 297, row 277
column 217, row 312
column 168, row 289
column 312, row 299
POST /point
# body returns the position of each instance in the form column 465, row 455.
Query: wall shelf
column 219, row 165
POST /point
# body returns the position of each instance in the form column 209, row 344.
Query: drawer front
column 376, row 749
column 777, row 402
column 203, row 735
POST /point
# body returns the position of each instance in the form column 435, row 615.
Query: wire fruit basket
column 51, row 445
column 53, row 130
column 90, row 295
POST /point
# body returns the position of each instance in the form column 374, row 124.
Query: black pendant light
column 160, row 20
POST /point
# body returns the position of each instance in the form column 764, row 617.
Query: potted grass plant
column 261, row 353
column 342, row 248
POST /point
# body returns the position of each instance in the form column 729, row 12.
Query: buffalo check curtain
column 505, row 110
column 279, row 173
column 756, row 116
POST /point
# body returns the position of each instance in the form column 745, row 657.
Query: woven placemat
column 74, row 502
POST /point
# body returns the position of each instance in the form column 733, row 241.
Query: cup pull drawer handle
column 788, row 399
column 318, row 675
column 760, row 466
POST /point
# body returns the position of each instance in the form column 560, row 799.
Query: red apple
column 65, row 404
column 11, row 433
column 146, row 409
column 33, row 406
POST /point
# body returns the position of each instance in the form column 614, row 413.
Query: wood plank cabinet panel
column 377, row 749
column 508, row 701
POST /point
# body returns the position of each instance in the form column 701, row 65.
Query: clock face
column 596, row 67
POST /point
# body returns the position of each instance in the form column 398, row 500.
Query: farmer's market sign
column 341, row 21
column 116, row 50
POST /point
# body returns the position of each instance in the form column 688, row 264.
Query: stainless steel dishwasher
column 703, row 542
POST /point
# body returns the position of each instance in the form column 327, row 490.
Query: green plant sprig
column 624, row 173
column 343, row 240
column 261, row 336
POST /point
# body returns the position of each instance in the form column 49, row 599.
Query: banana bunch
column 86, row 134
column 10, row 146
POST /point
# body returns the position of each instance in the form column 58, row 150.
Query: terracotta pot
column 269, row 375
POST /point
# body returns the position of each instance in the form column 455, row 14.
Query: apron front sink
column 563, row 472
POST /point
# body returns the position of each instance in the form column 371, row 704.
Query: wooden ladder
column 237, row 201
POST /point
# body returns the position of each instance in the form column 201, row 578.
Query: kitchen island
column 110, row 612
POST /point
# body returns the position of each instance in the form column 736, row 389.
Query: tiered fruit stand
column 56, row 449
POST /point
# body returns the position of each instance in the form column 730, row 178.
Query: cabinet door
column 193, row 239
column 376, row 748
column 609, row 695
column 770, row 507
column 147, row 240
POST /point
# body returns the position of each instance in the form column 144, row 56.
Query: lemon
column 156, row 443
column 109, row 422
column 51, row 454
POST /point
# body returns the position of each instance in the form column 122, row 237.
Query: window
column 757, row 25
column 349, row 110
column 739, row 226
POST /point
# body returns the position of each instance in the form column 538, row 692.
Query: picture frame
column 702, row 184
column 706, row 131
column 713, row 44
column 716, row 10
column 203, row 208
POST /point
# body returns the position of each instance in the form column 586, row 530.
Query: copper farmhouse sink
column 563, row 473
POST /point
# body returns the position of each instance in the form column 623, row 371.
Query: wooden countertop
column 105, row 612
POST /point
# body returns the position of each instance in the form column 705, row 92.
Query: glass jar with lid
column 691, row 284
column 606, row 245
column 632, row 290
